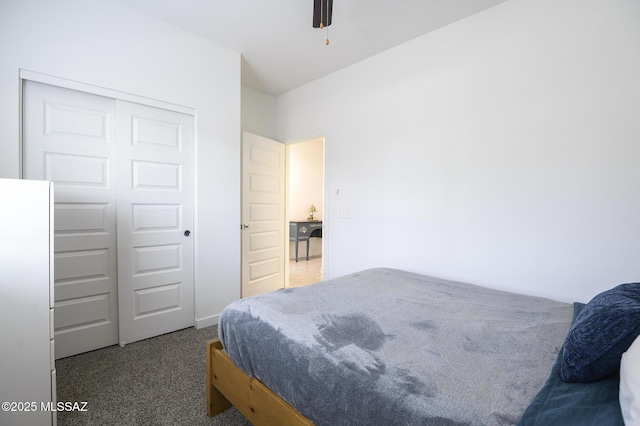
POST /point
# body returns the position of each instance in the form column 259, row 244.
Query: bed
column 386, row 346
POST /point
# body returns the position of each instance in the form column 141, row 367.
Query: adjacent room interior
column 305, row 204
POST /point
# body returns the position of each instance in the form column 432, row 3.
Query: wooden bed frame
column 227, row 385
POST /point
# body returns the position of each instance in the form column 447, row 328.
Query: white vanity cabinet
column 27, row 367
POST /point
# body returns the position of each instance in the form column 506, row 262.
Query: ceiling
column 280, row 48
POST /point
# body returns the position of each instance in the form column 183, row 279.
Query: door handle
column 244, row 226
column 187, row 233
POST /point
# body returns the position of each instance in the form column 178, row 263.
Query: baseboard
column 207, row 322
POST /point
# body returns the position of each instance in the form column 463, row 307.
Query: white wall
column 501, row 150
column 104, row 44
column 259, row 113
column 305, row 178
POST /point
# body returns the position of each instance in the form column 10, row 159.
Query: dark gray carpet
column 158, row 381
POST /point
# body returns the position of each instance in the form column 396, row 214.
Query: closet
column 123, row 174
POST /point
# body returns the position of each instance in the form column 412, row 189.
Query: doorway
column 305, row 202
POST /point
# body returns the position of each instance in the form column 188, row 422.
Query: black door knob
column 187, row 233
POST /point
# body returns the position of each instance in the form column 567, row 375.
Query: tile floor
column 305, row 271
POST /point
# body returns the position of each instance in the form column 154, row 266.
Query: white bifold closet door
column 123, row 214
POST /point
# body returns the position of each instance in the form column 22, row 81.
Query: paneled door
column 124, row 204
column 69, row 138
column 155, row 220
column 263, row 206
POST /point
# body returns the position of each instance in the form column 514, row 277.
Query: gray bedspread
column 389, row 347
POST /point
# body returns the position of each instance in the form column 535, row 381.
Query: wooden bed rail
column 227, row 385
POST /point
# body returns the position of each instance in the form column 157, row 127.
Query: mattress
column 386, row 346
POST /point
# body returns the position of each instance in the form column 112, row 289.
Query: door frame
column 27, row 75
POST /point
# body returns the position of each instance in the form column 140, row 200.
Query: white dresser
column 27, row 367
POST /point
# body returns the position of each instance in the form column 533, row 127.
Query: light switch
column 343, row 212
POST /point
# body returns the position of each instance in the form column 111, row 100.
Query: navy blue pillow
column 602, row 332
